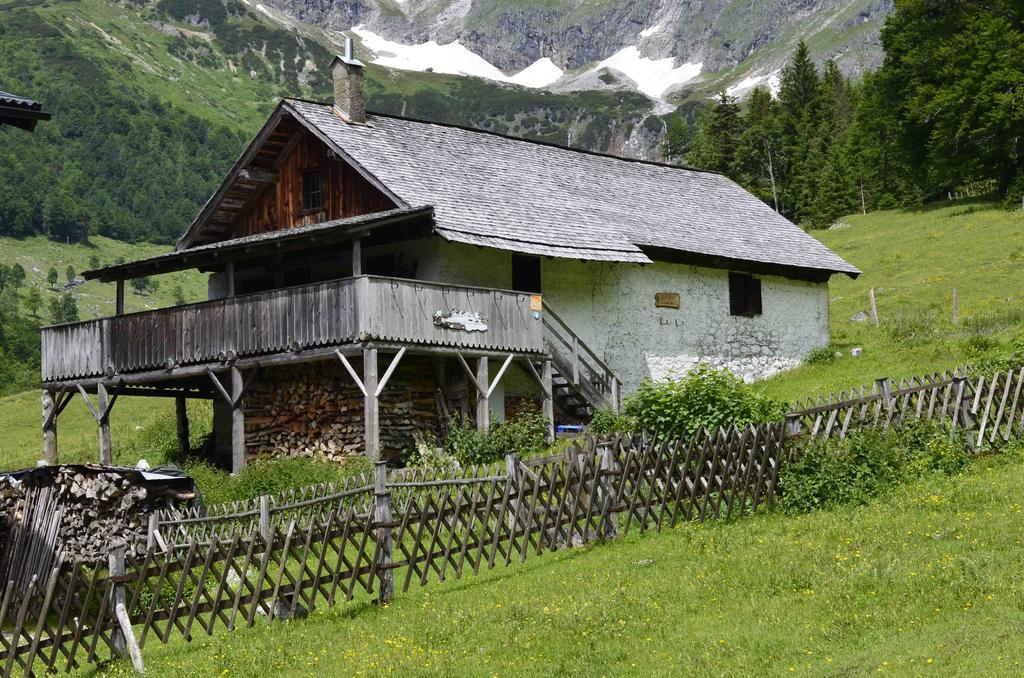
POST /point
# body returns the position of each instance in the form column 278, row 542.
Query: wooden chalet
column 370, row 274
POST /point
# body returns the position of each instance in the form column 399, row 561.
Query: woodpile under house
column 370, row 274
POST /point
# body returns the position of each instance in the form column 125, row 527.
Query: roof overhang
column 761, row 268
column 264, row 244
column 20, row 112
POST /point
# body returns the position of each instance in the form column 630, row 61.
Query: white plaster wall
column 611, row 306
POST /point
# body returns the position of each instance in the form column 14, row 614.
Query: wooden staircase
column 581, row 381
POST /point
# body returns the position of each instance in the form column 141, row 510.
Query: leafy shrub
column 603, row 422
column 823, row 355
column 524, row 433
column 705, row 398
column 866, row 463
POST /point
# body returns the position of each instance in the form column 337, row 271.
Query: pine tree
column 725, row 129
column 758, row 162
column 799, row 117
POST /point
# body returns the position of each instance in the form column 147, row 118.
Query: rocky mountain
column 662, row 47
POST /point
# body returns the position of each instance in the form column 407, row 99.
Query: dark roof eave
column 254, row 245
column 759, row 267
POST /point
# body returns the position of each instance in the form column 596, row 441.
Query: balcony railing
column 293, row 319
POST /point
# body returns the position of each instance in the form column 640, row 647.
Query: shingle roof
column 20, row 111
column 496, row 191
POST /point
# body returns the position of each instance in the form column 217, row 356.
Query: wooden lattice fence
column 251, row 563
column 280, row 556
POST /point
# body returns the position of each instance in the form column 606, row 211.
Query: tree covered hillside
column 944, row 112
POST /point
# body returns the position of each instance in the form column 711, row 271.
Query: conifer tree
column 758, row 161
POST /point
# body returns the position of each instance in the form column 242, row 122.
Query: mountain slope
column 727, row 40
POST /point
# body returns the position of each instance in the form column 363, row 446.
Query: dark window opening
column 312, row 190
column 526, row 273
column 383, row 264
column 744, row 295
column 297, row 276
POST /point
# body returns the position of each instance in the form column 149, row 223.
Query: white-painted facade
column 611, row 306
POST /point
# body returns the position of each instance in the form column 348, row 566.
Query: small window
column 526, row 273
column 744, row 295
column 312, row 190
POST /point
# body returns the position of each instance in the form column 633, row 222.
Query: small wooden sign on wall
column 666, row 300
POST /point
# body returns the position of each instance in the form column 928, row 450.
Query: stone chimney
column 349, row 98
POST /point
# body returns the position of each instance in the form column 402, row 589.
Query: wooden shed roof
column 20, row 111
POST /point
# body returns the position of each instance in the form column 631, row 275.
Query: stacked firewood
column 316, row 410
column 83, row 511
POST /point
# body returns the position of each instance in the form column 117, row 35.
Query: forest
column 943, row 115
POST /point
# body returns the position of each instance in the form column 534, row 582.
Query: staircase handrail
column 613, row 380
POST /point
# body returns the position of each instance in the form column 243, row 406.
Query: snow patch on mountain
column 653, row 77
column 453, row 59
column 648, row 32
column 747, row 84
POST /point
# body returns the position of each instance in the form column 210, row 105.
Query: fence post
column 514, row 476
column 382, row 518
column 265, row 516
column 611, row 523
column 793, row 426
column 153, row 526
column 964, row 418
column 122, row 638
column 885, row 389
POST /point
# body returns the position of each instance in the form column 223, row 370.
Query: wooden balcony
column 291, row 321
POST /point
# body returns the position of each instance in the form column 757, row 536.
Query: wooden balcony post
column 229, row 279
column 547, row 377
column 181, row 417
column 237, row 421
column 371, row 414
column 382, row 516
column 103, row 423
column 119, row 299
column 357, row 256
column 49, row 428
column 483, row 411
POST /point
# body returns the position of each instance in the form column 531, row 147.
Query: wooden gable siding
column 279, row 206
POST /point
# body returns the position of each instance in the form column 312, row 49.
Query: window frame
column 745, row 298
column 319, row 172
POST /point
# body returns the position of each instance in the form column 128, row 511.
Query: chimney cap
column 348, row 57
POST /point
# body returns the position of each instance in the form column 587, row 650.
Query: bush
column 866, row 463
column 705, row 398
column 604, row 422
column 823, row 355
column 524, row 433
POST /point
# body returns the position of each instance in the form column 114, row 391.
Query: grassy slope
column 914, row 259
column 924, row 582
column 96, row 299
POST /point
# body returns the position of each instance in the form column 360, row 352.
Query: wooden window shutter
column 735, row 294
column 754, row 294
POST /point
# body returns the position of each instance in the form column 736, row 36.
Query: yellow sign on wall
column 666, row 300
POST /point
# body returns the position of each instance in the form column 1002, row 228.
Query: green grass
column 77, row 438
column 925, row 581
column 913, row 259
column 95, row 299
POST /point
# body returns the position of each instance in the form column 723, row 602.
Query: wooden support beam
column 483, row 410
column 351, row 371
column 388, row 372
column 371, row 415
column 499, row 375
column 102, row 412
column 119, row 298
column 470, row 376
column 49, row 427
column 229, row 279
column 219, row 387
column 357, row 257
column 237, row 421
column 258, row 176
column 548, row 407
column 181, row 419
